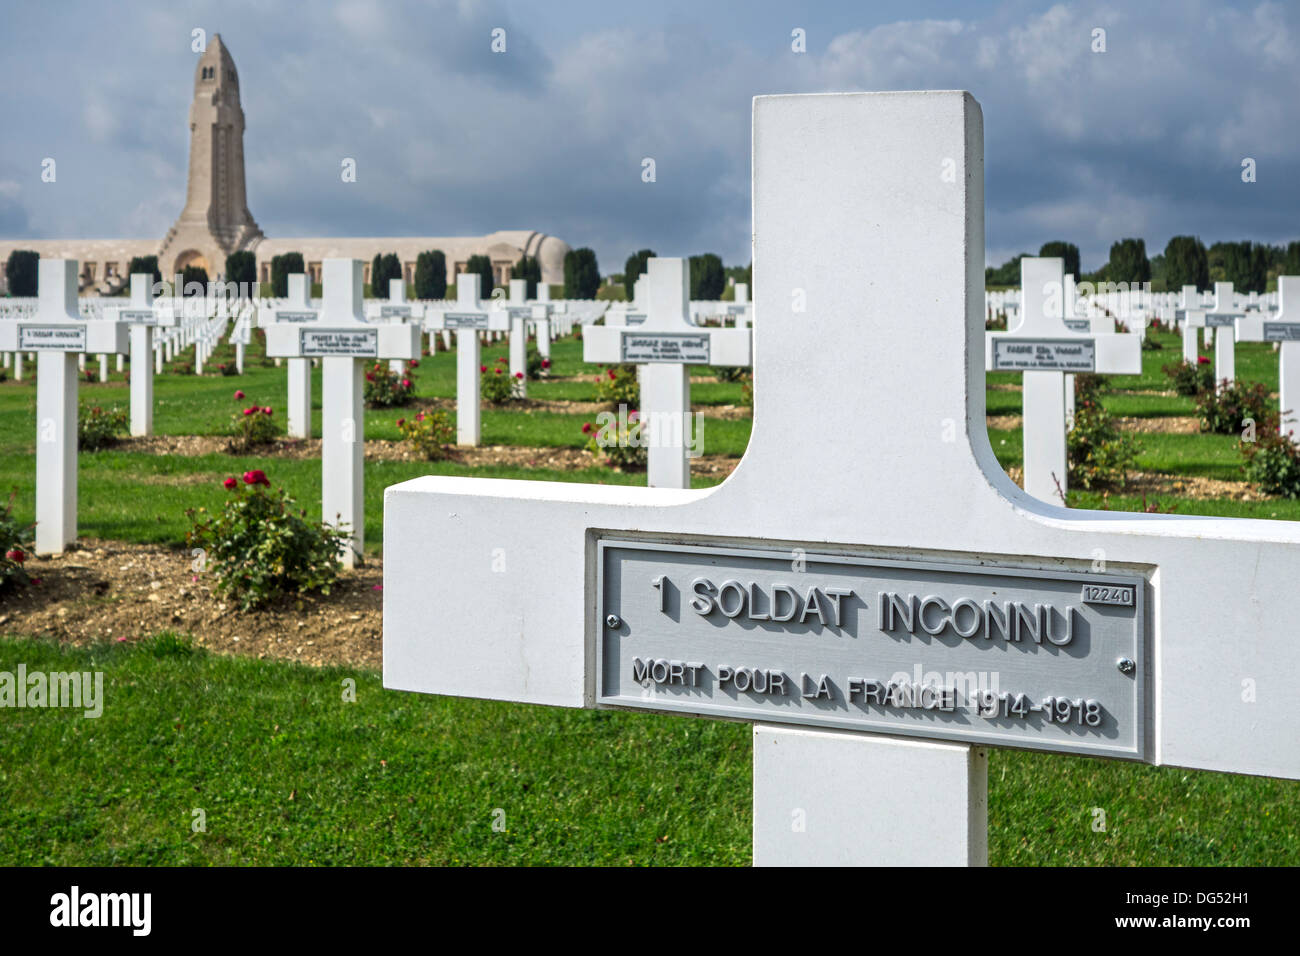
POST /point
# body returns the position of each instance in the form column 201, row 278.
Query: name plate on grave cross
column 465, row 320
column 394, row 311
column 634, row 318
column 640, row 348
column 362, row 343
column 282, row 315
column 1282, row 331
column 52, row 338
column 1011, row 655
column 1219, row 320
column 737, row 309
column 142, row 316
column 1078, row 325
column 1044, row 355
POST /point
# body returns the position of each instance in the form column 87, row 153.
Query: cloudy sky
column 450, row 138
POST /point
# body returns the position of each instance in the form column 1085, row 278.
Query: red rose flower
column 230, row 484
column 498, row 371
column 546, row 363
column 267, row 409
column 249, row 411
column 401, row 422
column 612, row 375
column 586, row 428
column 482, row 368
column 415, row 363
column 239, row 393
column 1202, row 360
column 519, row 374
column 419, row 416
column 16, row 555
column 406, row 383
column 256, row 477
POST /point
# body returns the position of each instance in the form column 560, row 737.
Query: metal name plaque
column 465, row 320
column 634, row 318
column 1013, row 655
column 282, row 315
column 519, row 311
column 140, row 316
column 1078, row 325
column 52, row 338
column 737, row 309
column 1282, row 331
column 1219, row 320
column 362, row 343
column 640, row 348
column 1044, row 355
column 394, row 311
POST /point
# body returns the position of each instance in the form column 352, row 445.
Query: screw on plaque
column 1125, row 665
column 612, row 620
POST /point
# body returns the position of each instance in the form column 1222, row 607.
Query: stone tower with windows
column 215, row 221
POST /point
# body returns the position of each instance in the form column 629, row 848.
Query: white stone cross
column 296, row 310
column 1045, row 350
column 57, row 334
column 730, row 601
column 1283, row 328
column 345, row 344
column 142, row 319
column 468, row 318
column 520, row 314
column 1191, row 343
column 396, row 309
column 665, row 345
column 1222, row 316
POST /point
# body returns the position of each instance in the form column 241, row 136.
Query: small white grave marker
column 58, row 335
column 343, row 340
column 665, row 345
column 1045, row 350
column 297, row 310
column 142, row 318
column 468, row 319
column 1284, row 328
column 1221, row 319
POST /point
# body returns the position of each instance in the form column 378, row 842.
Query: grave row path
column 1167, row 638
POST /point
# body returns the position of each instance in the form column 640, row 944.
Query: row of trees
column 1186, row 261
column 581, row 272
column 708, row 277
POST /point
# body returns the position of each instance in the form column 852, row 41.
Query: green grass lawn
column 287, row 772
